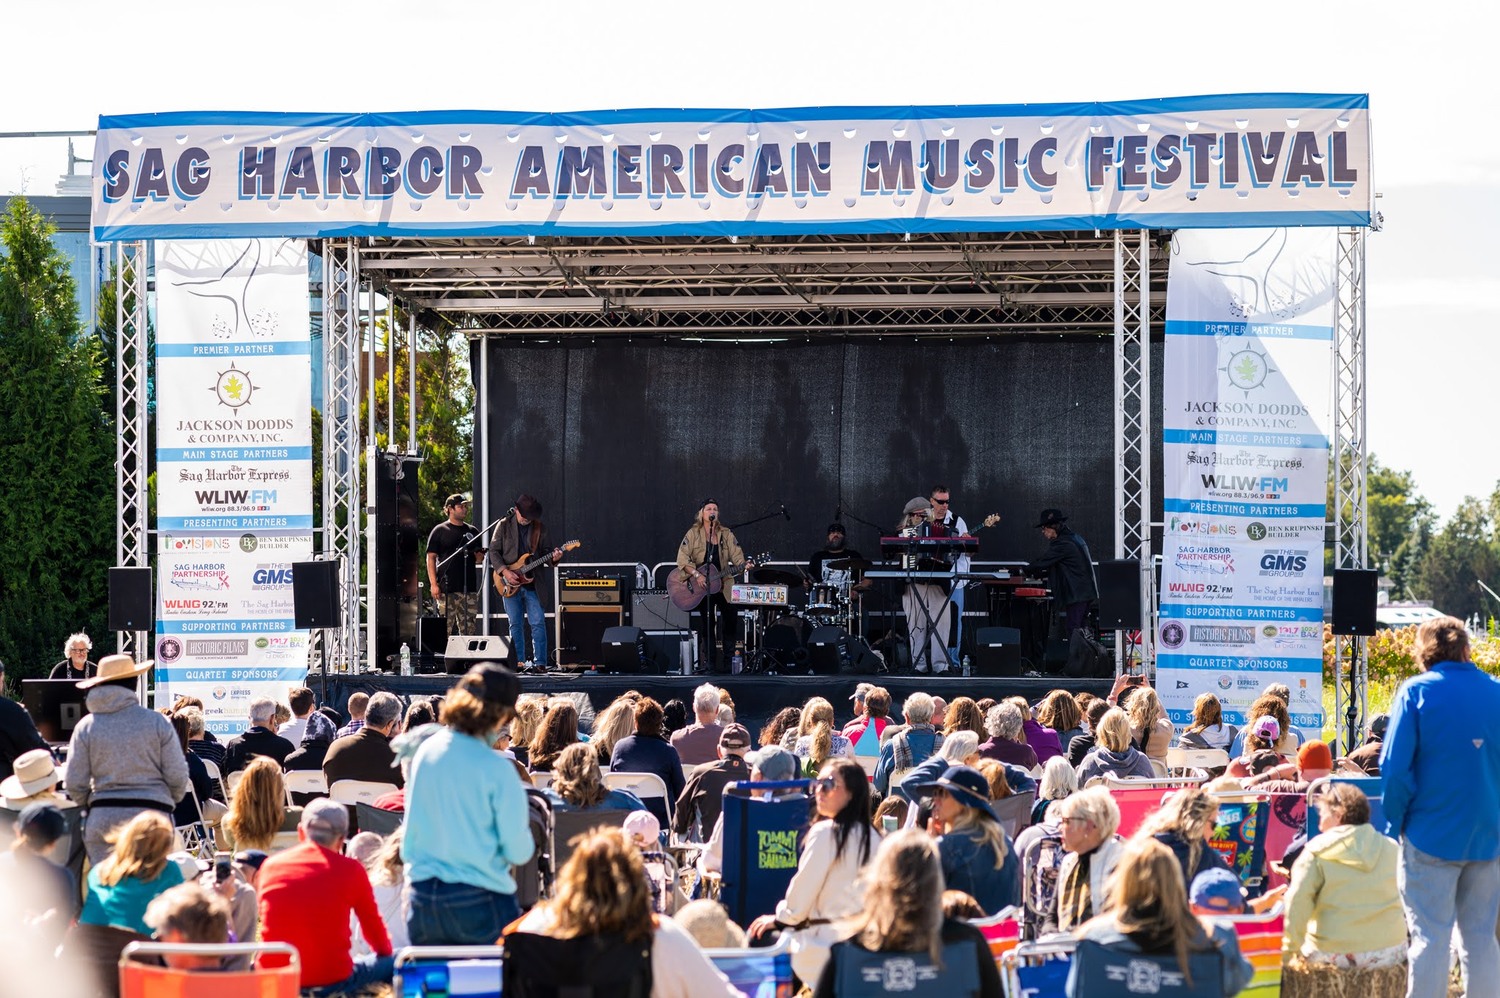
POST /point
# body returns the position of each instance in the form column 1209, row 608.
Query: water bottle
column 405, row 659
column 967, row 670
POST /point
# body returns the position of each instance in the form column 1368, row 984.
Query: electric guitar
column 686, row 592
column 524, row 568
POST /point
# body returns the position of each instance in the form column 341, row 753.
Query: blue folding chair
column 1373, row 787
column 1100, row 971
column 1038, row 970
column 762, row 843
column 444, row 971
column 759, row 973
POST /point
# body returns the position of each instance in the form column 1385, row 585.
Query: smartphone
column 223, row 868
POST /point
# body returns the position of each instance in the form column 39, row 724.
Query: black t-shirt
column 833, row 576
column 458, row 575
column 65, row 670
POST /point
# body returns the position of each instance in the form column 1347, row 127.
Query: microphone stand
column 464, row 547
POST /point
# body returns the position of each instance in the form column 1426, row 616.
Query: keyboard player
column 925, row 601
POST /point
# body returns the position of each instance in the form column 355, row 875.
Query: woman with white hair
column 1059, row 780
column 1007, row 742
column 1088, row 820
column 909, row 747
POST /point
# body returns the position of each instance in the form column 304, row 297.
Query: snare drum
column 825, row 598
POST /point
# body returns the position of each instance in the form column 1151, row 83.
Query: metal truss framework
column 1132, row 283
column 342, row 451
column 1350, row 455
column 132, row 543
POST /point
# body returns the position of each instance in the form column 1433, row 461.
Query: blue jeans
column 443, row 914
column 1437, row 894
column 369, row 970
column 528, row 626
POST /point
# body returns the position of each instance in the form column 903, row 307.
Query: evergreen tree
column 56, row 455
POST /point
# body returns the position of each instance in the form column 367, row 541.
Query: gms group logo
column 1281, row 563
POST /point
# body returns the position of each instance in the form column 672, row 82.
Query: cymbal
column 775, row 576
column 846, row 564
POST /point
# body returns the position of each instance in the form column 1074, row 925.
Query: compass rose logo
column 233, row 387
column 1247, row 370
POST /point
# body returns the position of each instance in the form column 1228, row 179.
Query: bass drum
column 785, row 640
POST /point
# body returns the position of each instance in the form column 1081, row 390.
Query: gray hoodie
column 121, row 750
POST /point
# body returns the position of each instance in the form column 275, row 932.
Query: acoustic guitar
column 524, row 568
column 687, row 592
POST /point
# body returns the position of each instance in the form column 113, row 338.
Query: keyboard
column 896, row 573
column 946, row 545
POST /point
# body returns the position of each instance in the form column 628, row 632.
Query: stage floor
column 757, row 697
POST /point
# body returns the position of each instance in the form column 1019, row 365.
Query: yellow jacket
column 1343, row 896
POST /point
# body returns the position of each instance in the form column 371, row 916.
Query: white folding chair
column 1180, row 760
column 354, row 791
column 233, row 780
column 541, row 779
column 305, row 781
column 643, row 785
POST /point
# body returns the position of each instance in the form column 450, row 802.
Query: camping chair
column 859, row 971
column 762, row 843
column 580, row 966
column 568, row 825
column 146, row 980
column 765, row 972
column 1243, row 820
column 1100, row 971
column 1374, row 789
column 1260, row 943
column 661, row 872
column 470, row 971
column 377, row 819
column 1014, row 811
column 1138, row 798
column 1038, row 970
column 1002, row 931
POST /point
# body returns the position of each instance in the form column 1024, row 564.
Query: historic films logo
column 1230, row 635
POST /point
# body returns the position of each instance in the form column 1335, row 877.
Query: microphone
column 838, row 513
column 713, row 517
column 784, row 512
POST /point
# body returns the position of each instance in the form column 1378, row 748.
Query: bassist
column 519, row 536
column 709, row 543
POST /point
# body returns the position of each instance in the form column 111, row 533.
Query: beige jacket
column 694, row 549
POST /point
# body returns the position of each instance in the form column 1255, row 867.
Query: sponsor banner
column 1246, row 411
column 1215, row 161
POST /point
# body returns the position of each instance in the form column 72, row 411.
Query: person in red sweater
column 306, row 895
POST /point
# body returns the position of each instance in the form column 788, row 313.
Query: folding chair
column 1374, row 789
column 216, row 776
column 305, row 781
column 541, row 779
column 1100, row 971
column 568, row 825
column 1181, row 760
column 1002, row 931
column 661, row 871
column 759, row 973
column 377, row 819
column 1014, row 811
column 762, row 843
column 650, row 788
column 1038, row 969
column 1239, row 836
column 1138, row 798
column 354, row 791
column 467, row 971
column 145, row 980
column 1260, row 943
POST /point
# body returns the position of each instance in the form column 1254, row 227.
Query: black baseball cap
column 836, row 528
column 456, row 499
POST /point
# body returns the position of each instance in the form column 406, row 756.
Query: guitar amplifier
column 596, row 591
column 653, row 610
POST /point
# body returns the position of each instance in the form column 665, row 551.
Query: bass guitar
column 686, row 591
column 524, row 568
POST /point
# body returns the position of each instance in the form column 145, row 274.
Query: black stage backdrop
column 621, row 440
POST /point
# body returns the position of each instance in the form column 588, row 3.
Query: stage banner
column 1249, row 346
column 1214, row 161
column 234, row 470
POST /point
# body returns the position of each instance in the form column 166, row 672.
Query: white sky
column 1433, row 288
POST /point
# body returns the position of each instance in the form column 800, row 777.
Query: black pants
column 726, row 630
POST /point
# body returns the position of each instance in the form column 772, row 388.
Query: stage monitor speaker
column 828, row 650
column 623, row 649
column 1119, row 595
column 997, row 651
column 652, row 610
column 130, row 599
column 432, row 635
column 583, row 628
column 467, row 650
column 1354, row 596
column 315, row 595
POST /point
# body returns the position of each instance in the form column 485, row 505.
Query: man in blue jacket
column 1441, row 765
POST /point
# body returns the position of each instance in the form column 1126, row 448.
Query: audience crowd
column 920, row 821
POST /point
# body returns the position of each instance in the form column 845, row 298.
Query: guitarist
column 708, row 542
column 519, row 536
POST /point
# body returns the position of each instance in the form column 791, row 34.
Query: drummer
column 820, row 567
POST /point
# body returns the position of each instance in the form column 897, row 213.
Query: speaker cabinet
column 623, row 650
column 315, row 595
column 130, row 598
column 432, row 635
column 651, row 610
column 466, row 650
column 997, row 651
column 1354, row 597
column 828, row 650
column 583, row 628
column 1119, row 594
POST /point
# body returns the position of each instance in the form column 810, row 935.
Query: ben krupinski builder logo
column 1256, row 530
column 247, row 543
column 233, row 387
column 1247, row 370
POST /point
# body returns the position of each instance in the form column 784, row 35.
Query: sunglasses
column 940, row 502
column 826, row 783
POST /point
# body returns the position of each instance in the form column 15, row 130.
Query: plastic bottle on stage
column 405, row 659
column 967, row 670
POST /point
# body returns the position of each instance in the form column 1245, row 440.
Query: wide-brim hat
column 34, row 772
column 1051, row 518
column 966, row 785
column 112, row 667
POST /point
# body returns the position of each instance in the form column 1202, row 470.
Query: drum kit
column 778, row 635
